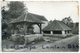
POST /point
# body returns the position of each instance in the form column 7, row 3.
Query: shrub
column 18, row 39
column 38, row 40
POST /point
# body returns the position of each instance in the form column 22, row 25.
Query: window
column 57, row 32
column 46, row 32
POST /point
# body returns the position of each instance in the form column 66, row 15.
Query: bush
column 38, row 40
column 18, row 39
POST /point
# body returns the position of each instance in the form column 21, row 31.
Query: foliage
column 38, row 40
column 15, row 10
column 67, row 20
column 74, row 26
column 75, row 29
column 19, row 39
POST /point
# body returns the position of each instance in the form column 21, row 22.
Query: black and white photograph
column 39, row 26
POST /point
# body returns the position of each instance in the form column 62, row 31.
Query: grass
column 67, row 43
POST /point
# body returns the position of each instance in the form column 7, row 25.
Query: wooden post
column 25, row 28
column 14, row 28
column 40, row 28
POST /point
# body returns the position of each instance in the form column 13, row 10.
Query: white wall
column 63, row 32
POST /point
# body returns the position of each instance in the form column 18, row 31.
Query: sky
column 54, row 10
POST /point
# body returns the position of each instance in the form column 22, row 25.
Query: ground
column 66, row 45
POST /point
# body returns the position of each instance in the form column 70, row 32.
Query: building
column 27, row 23
column 57, row 28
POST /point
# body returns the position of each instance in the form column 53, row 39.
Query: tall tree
column 67, row 20
column 15, row 10
column 74, row 26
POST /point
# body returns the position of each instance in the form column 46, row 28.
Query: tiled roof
column 40, row 17
column 56, row 25
column 29, row 17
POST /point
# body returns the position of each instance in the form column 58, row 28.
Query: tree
column 67, row 20
column 19, row 39
column 74, row 26
column 4, row 23
column 15, row 10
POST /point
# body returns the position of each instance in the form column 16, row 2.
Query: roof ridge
column 16, row 19
column 26, row 16
column 66, row 25
column 41, row 17
column 36, row 14
column 26, row 13
column 34, row 17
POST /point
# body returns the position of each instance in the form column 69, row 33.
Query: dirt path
column 57, row 46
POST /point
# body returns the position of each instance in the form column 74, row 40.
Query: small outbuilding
column 24, row 23
column 57, row 28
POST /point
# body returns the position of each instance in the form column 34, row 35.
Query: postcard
column 39, row 26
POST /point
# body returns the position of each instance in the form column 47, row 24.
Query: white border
column 39, row 0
